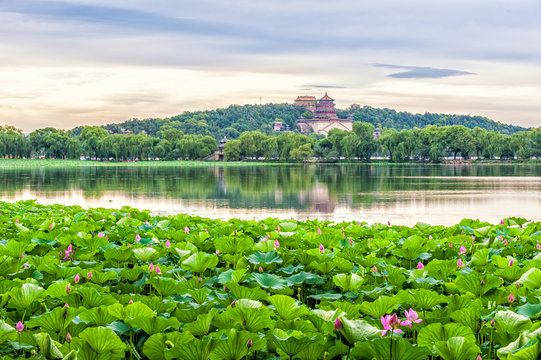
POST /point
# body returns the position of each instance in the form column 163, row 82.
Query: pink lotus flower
column 390, row 323
column 249, row 343
column 26, row 267
column 276, row 244
column 137, row 238
column 375, row 227
column 101, row 234
column 338, row 324
column 502, row 222
column 511, row 298
column 460, row 264
column 168, row 244
column 50, row 226
column 68, row 288
column 321, row 248
column 412, row 317
column 147, row 223
column 77, row 278
column 479, row 357
column 66, row 305
column 260, row 269
column 186, row 230
column 462, row 250
column 89, row 275
column 68, row 338
column 505, row 242
column 151, row 267
column 277, row 228
column 130, row 302
column 218, row 252
column 510, row 263
column 351, row 241
column 19, row 327
column 388, row 223
column 374, row 269
column 538, row 246
column 492, row 322
column 429, row 237
column 16, row 222
column 22, row 255
column 318, row 231
column 158, row 270
column 420, row 266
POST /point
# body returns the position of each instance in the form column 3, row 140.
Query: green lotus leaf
column 72, row 355
column 292, row 342
column 233, row 244
column 243, row 292
column 314, row 351
column 47, row 346
column 57, row 289
column 146, row 254
column 131, row 274
column 199, row 262
column 420, row 298
column 93, row 298
column 326, row 296
column 477, row 284
column 441, row 269
column 15, row 248
column 529, row 310
column 457, row 348
column 101, row 277
column 258, row 258
column 352, row 310
column 98, row 316
column 119, row 327
column 433, row 333
column 22, row 297
column 395, row 276
column 414, row 246
column 323, row 267
column 183, row 253
column 269, row 281
column 357, row 330
column 231, row 276
column 287, row 226
column 480, row 258
column 525, row 347
column 233, row 347
column 166, row 286
column 118, row 254
column 508, row 325
column 469, row 316
column 201, row 326
column 104, row 342
column 381, row 306
column 153, row 325
column 55, row 321
column 305, row 277
column 7, row 332
column 531, row 279
column 348, row 282
column 131, row 311
column 287, row 308
column 155, row 347
column 379, row 349
column 194, row 349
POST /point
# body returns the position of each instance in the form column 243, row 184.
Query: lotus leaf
column 381, row 306
column 104, row 342
column 287, row 308
column 457, row 348
column 269, row 281
column 348, row 282
column 22, row 297
column 199, row 262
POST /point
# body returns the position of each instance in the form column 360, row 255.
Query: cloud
column 421, row 72
column 319, row 86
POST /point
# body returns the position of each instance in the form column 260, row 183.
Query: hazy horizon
column 68, row 63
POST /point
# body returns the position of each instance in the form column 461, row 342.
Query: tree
column 302, row 153
column 232, row 150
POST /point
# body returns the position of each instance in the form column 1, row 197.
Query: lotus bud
column 130, row 302
column 482, row 281
column 351, row 241
column 77, row 278
column 151, row 267
column 101, row 234
column 50, row 226
column 68, row 288
column 249, row 343
column 394, row 322
column 26, row 267
column 276, row 244
column 502, row 222
column 511, row 298
column 510, row 263
column 450, row 245
column 479, row 357
column 200, row 279
column 375, row 227
column 68, row 338
column 338, row 324
column 168, row 244
column 234, row 303
column 517, row 285
column 19, row 327
column 538, row 246
column 429, row 237
column 260, row 269
column 186, row 230
column 492, row 322
column 388, row 223
column 505, row 242
column 158, row 270
column 16, row 221
column 374, row 269
column 420, row 266
column 22, row 255
column 89, row 275
column 318, row 231
column 277, row 228
column 137, row 238
column 244, row 322
column 321, row 248
column 460, row 264
column 218, row 252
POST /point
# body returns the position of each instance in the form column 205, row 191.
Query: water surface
column 402, row 194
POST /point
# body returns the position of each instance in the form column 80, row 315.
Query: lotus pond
column 111, row 284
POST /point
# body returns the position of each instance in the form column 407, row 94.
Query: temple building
column 309, row 102
column 325, row 117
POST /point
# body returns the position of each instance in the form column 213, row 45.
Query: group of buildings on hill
column 324, row 117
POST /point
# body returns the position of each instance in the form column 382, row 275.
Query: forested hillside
column 235, row 119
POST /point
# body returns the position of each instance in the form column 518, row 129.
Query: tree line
column 431, row 143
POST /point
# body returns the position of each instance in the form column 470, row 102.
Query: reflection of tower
column 319, row 199
column 219, row 173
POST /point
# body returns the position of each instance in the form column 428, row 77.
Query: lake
column 401, row 194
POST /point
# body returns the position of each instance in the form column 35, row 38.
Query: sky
column 67, row 63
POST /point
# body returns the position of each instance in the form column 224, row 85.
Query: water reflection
column 402, row 194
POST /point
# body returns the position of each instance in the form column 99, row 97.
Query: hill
column 236, row 119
